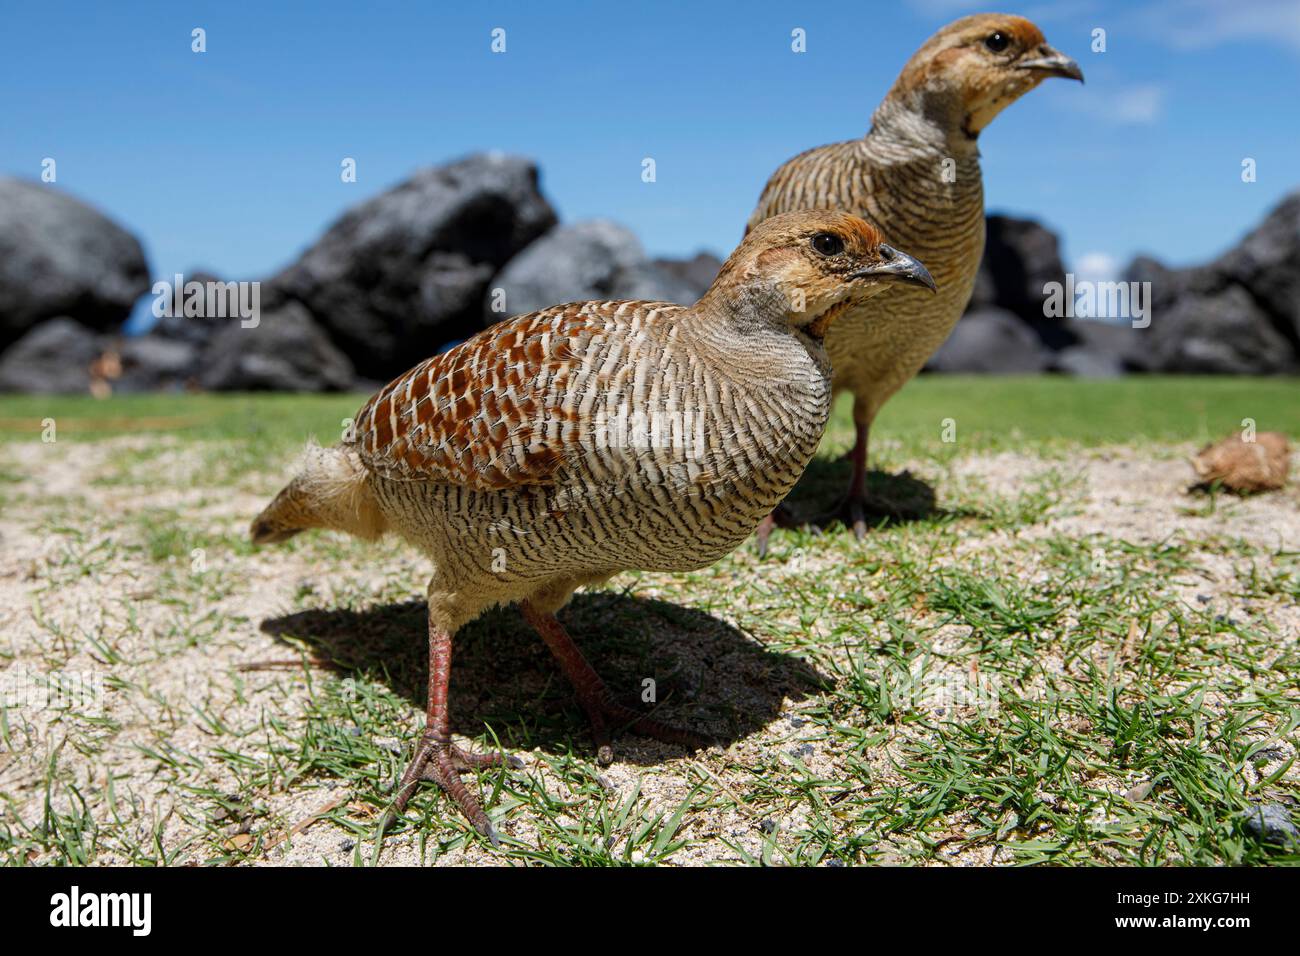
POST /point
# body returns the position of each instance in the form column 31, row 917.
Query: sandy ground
column 182, row 655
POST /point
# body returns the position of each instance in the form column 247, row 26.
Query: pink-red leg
column 601, row 708
column 437, row 759
column 851, row 510
column 779, row 518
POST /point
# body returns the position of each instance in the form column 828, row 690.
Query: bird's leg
column 595, row 698
column 436, row 758
column 779, row 518
column 852, row 508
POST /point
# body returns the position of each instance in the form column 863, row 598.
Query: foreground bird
column 915, row 175
column 559, row 448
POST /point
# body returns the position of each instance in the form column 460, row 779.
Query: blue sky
column 229, row 160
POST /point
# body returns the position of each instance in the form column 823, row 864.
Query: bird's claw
column 464, row 760
column 850, row 512
column 605, row 709
column 780, row 517
column 442, row 763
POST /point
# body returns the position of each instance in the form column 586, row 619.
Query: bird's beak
column 897, row 265
column 1053, row 63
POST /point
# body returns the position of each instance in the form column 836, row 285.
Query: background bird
column 559, row 448
column 916, row 175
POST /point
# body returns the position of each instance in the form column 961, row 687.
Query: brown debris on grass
column 1245, row 467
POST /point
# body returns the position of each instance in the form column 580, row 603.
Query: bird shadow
column 891, row 498
column 708, row 676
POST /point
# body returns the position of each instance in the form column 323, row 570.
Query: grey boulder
column 405, row 272
column 596, row 259
column 196, row 329
column 61, row 258
column 1222, row 332
column 155, row 363
column 1020, row 257
column 697, row 272
column 1083, row 362
column 1267, row 262
column 1271, row 823
column 286, row 352
column 1096, row 349
column 991, row 341
column 1238, row 314
column 53, row 358
column 1166, row 285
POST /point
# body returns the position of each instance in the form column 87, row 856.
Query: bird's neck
column 750, row 337
column 926, row 121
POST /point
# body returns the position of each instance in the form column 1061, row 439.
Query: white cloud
column 1200, row 24
column 1181, row 24
column 1096, row 267
column 1059, row 10
column 1137, row 105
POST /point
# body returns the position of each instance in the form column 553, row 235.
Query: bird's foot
column 851, row 512
column 779, row 518
column 606, row 711
column 442, row 762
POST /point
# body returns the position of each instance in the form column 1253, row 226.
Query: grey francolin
column 558, row 448
column 915, row 175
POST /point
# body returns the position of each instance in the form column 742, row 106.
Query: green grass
column 988, row 411
column 1011, row 677
column 1011, row 410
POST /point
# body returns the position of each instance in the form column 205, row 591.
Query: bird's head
column 804, row 268
column 972, row 69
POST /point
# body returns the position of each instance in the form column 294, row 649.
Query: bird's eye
column 997, row 42
column 827, row 244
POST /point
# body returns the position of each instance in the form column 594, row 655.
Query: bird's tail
column 332, row 490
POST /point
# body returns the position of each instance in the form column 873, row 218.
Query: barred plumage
column 561, row 447
column 585, row 438
column 915, row 175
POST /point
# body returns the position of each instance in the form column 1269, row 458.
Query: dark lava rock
column 1083, row 362
column 203, row 322
column 991, row 340
column 1220, row 332
column 286, row 352
column 1267, row 263
column 406, row 271
column 1238, row 314
column 587, row 260
column 61, row 258
column 697, row 272
column 1020, row 257
column 155, row 363
column 1099, row 349
column 54, row 358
